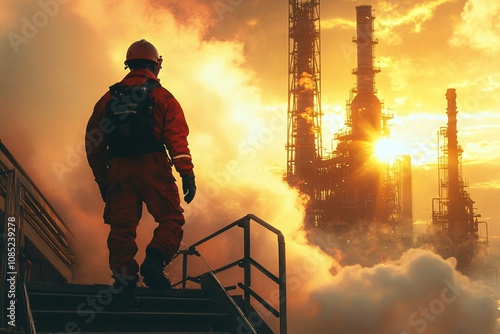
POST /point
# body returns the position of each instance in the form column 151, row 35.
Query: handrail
column 26, row 214
column 42, row 221
column 247, row 262
column 13, row 264
column 234, row 306
column 28, row 315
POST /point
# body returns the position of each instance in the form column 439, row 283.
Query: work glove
column 103, row 189
column 188, row 187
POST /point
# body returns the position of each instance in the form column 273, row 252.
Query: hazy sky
column 226, row 62
column 235, row 53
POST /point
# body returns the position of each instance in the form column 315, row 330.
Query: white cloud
column 480, row 26
column 404, row 13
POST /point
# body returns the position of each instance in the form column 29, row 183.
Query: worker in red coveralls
column 137, row 131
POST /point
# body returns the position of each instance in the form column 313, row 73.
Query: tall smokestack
column 453, row 211
column 455, row 205
column 365, row 114
column 364, row 40
column 365, row 107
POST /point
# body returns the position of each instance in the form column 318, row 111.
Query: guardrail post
column 246, row 263
column 184, row 269
column 282, row 284
column 247, row 280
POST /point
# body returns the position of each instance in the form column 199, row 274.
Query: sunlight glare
column 386, row 150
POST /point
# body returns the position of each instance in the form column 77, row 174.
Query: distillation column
column 461, row 223
column 365, row 107
column 453, row 217
column 365, row 117
column 355, row 191
column 455, row 205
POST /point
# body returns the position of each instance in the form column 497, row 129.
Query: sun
column 386, row 150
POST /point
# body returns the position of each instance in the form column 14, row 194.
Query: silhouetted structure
column 350, row 189
column 454, row 221
column 304, row 109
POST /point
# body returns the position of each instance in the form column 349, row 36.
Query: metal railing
column 40, row 224
column 13, row 272
column 247, row 263
column 27, row 217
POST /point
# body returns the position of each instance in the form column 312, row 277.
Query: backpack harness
column 131, row 130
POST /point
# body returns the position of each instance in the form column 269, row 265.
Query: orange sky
column 235, row 52
column 425, row 47
column 226, row 62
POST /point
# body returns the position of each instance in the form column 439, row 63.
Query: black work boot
column 152, row 270
column 123, row 293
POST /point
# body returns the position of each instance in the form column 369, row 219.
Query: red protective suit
column 147, row 178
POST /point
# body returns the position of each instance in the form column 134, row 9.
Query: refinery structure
column 349, row 189
column 456, row 226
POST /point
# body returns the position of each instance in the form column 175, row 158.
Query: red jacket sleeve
column 95, row 141
column 172, row 128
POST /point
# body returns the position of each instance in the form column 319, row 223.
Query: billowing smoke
column 59, row 57
column 419, row 293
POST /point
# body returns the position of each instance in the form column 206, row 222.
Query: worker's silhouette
column 137, row 131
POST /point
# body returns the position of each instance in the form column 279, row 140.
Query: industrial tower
column 304, row 108
column 365, row 125
column 453, row 216
column 363, row 190
column 349, row 189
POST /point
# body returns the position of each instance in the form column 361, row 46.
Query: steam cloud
column 64, row 56
column 419, row 293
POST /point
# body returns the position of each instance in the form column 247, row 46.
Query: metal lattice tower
column 304, row 143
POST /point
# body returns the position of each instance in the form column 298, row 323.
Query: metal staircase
column 70, row 308
column 51, row 307
column 48, row 307
column 39, row 257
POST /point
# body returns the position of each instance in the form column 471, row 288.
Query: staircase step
column 162, row 332
column 75, row 302
column 67, row 321
column 83, row 297
column 102, row 289
column 60, row 308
